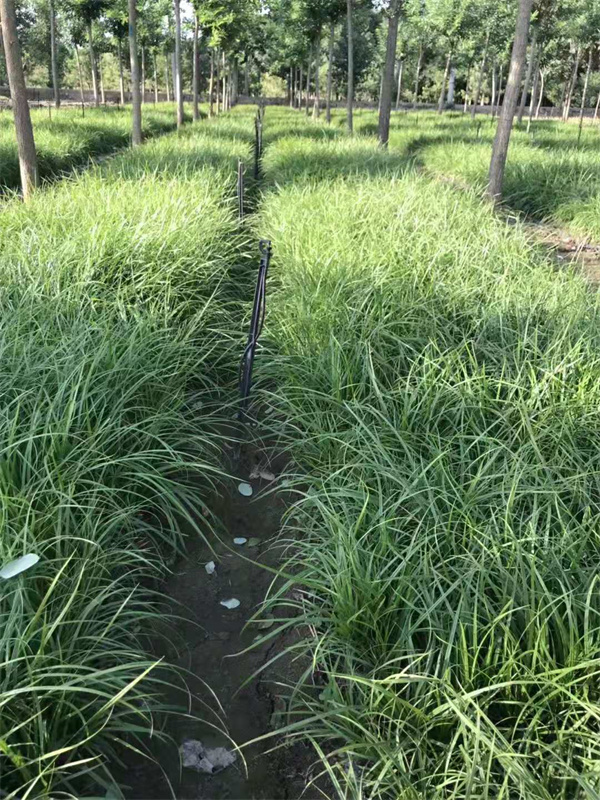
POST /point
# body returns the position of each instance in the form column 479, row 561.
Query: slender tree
column 177, row 63
column 349, row 121
column 532, row 59
column 54, row 53
column 385, row 105
column 513, row 83
column 136, row 100
column 196, row 70
column 18, row 94
column 329, row 71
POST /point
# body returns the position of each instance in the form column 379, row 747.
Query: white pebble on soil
column 245, row 489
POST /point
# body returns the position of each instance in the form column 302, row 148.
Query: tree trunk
column 466, row 103
column 527, row 77
column 121, row 79
column 493, row 97
column 136, row 100
column 224, row 75
column 308, row 82
column 167, row 78
column 350, row 121
column 218, row 80
column 329, row 72
column 479, row 84
column 586, row 83
column 18, row 94
column 534, row 91
column 496, row 108
column 177, row 74
column 155, row 76
column 451, row 87
column 101, row 75
column 291, row 87
column 93, row 65
column 196, row 71
column 143, row 78
column 571, row 87
column 442, row 97
column 54, row 55
column 317, row 103
column 300, row 85
column 399, row 85
column 418, row 76
column 502, row 138
column 211, row 83
column 388, row 75
column 537, row 111
column 80, row 72
column 247, row 77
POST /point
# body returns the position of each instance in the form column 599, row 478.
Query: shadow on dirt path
column 215, row 638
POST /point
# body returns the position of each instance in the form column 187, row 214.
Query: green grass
column 436, row 382
column 66, row 139
column 119, row 297
column 552, row 175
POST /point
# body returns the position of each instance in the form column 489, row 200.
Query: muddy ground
column 215, row 642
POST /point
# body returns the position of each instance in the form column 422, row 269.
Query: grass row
column 552, row 174
column 436, row 382
column 66, row 139
column 115, row 290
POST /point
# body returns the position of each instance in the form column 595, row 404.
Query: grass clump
column 115, row 288
column 436, row 382
column 65, row 139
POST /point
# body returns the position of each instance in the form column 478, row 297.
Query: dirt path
column 568, row 250
column 215, row 637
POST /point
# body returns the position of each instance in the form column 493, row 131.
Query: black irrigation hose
column 256, row 325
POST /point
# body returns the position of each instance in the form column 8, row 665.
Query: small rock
column 205, row 759
column 210, row 567
column 245, row 489
column 239, row 540
column 231, row 603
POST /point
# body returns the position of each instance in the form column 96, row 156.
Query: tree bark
column 136, row 100
column 329, row 72
column 20, row 104
column 247, row 77
column 235, row 81
column 121, row 79
column 388, row 75
column 211, row 83
column 196, row 71
column 534, row 91
column 177, row 76
column 466, row 103
column 502, row 138
column 218, row 80
column 479, row 84
column 528, row 77
column 308, row 82
column 291, row 87
column 155, row 76
column 54, row 54
column 317, row 103
column 493, row 97
column 496, row 108
column 300, row 85
column 167, row 79
column 418, row 76
column 442, row 98
column 586, row 83
column 451, row 87
column 537, row 110
column 399, row 86
column 93, row 65
column 80, row 72
column 224, row 76
column 350, row 99
column 101, row 76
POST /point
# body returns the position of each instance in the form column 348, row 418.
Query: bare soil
column 216, row 654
